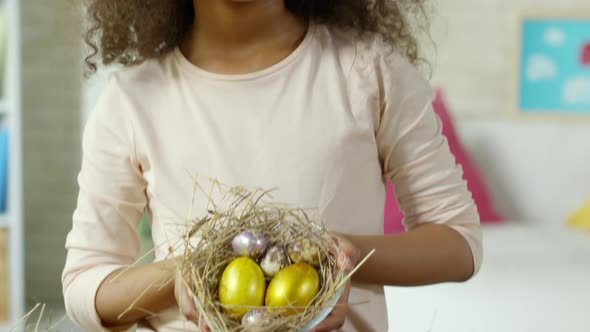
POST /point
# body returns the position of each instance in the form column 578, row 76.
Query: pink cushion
column 393, row 214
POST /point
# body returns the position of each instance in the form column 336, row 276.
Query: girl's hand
column 348, row 254
column 186, row 303
column 348, row 257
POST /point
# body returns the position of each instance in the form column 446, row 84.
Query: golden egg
column 242, row 285
column 294, row 286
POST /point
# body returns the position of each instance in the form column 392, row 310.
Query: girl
column 262, row 93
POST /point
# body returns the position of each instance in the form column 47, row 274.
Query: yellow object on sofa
column 581, row 217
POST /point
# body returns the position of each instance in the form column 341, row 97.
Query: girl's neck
column 235, row 37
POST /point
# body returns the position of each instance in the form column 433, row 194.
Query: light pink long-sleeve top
column 326, row 126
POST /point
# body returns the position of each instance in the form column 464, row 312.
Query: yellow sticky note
column 581, row 217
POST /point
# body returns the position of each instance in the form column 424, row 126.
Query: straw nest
column 208, row 251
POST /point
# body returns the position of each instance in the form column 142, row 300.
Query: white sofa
column 536, row 272
column 533, row 279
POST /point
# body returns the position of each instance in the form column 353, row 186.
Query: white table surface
column 533, row 279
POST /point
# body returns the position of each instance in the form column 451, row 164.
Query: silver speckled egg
column 254, row 318
column 274, row 260
column 304, row 251
column 251, row 243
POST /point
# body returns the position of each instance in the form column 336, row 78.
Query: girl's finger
column 196, row 318
column 333, row 243
column 188, row 304
column 344, row 262
column 190, row 311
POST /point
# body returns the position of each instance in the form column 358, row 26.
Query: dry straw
column 207, row 251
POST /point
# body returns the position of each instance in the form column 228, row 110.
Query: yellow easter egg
column 242, row 285
column 294, row 286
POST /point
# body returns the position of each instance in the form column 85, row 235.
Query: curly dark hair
column 131, row 31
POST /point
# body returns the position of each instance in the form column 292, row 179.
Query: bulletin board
column 553, row 65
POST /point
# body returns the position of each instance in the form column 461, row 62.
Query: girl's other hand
column 186, row 303
column 348, row 256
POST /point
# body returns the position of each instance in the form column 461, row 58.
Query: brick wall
column 476, row 42
column 51, row 129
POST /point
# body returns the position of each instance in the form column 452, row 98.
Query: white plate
column 324, row 313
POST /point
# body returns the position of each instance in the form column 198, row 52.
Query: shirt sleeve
column 111, row 201
column 415, row 156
